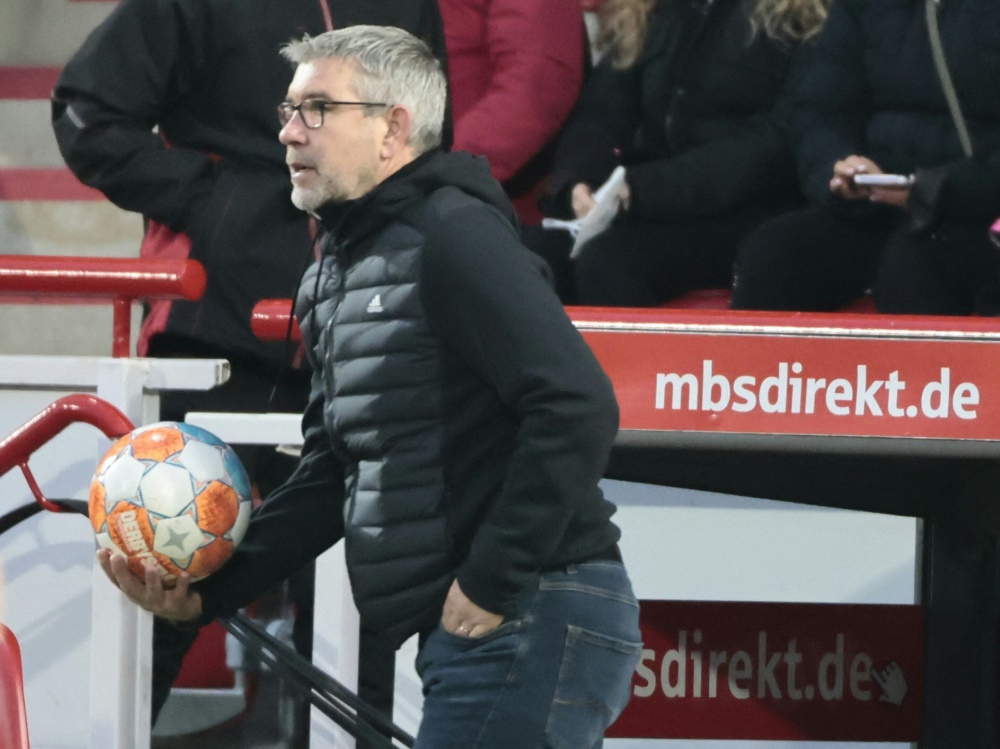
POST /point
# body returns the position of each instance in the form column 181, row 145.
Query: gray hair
column 393, row 66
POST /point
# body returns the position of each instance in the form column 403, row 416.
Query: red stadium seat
column 700, row 299
column 13, row 717
column 718, row 299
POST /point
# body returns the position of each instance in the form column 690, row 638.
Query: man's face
column 340, row 160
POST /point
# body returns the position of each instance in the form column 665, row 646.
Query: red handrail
column 13, row 715
column 118, row 280
column 16, row 448
column 860, row 322
column 269, row 320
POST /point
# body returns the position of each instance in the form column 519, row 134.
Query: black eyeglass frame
column 287, row 110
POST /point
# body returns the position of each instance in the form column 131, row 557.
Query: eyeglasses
column 312, row 110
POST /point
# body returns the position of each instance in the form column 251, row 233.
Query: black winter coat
column 871, row 89
column 458, row 425
column 700, row 119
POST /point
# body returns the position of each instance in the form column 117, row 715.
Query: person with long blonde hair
column 693, row 98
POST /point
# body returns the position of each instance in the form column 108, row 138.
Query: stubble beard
column 309, row 199
column 328, row 190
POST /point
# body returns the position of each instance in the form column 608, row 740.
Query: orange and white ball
column 172, row 494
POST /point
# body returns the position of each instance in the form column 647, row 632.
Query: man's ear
column 397, row 134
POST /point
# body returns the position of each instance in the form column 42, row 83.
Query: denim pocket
column 505, row 628
column 444, row 651
column 594, row 686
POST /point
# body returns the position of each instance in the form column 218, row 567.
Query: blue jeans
column 553, row 677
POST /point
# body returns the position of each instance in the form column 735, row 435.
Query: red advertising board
column 771, row 381
column 777, row 671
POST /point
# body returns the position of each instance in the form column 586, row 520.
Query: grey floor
column 274, row 719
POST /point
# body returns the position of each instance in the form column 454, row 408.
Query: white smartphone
column 883, row 180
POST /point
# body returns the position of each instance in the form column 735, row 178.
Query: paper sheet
column 606, row 206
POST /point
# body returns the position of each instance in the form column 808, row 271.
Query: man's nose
column 293, row 131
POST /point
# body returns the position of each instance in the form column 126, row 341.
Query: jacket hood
column 352, row 220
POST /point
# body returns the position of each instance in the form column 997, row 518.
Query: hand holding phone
column 883, row 180
column 842, row 182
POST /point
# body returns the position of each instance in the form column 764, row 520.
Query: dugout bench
column 882, row 414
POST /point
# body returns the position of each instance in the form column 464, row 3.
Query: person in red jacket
column 515, row 69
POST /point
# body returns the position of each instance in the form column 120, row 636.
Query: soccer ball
column 173, row 494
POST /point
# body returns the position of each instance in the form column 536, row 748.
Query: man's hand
column 464, row 618
column 179, row 603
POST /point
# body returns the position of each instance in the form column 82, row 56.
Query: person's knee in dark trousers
column 813, row 259
column 777, row 267
column 610, row 273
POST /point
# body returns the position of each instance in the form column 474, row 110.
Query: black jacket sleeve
column 490, row 302
column 294, row 525
column 833, row 103
column 965, row 191
column 116, row 88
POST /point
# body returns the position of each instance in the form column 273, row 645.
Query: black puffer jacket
column 459, row 424
column 700, row 119
column 871, row 89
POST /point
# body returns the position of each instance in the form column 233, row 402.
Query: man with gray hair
column 458, row 425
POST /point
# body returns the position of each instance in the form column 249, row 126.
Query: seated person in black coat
column 689, row 96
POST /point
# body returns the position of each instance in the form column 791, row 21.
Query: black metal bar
column 19, row 514
column 328, row 705
column 319, row 683
column 327, row 682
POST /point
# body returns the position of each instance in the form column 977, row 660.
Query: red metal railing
column 122, row 281
column 269, row 320
column 16, row 448
column 13, row 715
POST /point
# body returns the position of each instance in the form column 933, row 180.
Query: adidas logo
column 375, row 305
